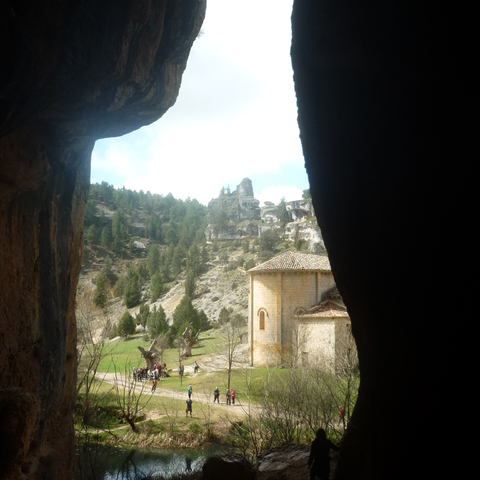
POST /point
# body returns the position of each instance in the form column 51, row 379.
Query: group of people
column 143, row 373
column 229, row 396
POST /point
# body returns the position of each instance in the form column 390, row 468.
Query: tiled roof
column 294, row 261
column 325, row 309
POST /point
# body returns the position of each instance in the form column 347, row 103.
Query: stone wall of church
column 317, row 342
column 265, row 297
column 280, row 295
column 327, row 283
column 299, row 290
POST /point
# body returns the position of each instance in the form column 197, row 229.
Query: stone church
column 296, row 315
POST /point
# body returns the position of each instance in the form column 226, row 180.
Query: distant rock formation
column 230, row 215
column 238, row 205
column 235, row 215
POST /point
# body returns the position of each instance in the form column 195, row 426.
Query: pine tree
column 157, row 322
column 153, row 259
column 282, row 212
column 132, row 291
column 106, row 237
column 126, row 325
column 156, row 286
column 92, row 235
column 184, row 314
column 190, row 283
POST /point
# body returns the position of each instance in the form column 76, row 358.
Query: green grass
column 126, row 354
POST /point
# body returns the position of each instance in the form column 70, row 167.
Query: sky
column 235, row 115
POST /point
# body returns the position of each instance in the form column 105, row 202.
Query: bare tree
column 232, row 334
column 92, row 348
column 254, row 436
column 130, row 398
column 291, row 356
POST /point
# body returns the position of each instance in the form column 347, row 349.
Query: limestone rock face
column 72, row 72
column 245, row 189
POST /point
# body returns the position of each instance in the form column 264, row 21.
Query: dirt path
column 222, row 409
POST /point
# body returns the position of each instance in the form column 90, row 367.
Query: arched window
column 262, row 320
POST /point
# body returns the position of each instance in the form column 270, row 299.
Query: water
column 103, row 463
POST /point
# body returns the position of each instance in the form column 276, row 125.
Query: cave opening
column 385, row 101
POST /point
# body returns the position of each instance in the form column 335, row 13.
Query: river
column 103, row 463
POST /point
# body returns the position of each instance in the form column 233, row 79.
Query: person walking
column 232, row 396
column 341, row 415
column 216, row 395
column 319, row 459
column 189, row 391
column 189, row 402
column 227, row 395
column 154, row 385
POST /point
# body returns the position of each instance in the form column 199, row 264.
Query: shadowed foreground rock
column 72, row 72
column 233, row 467
column 285, row 462
column 384, row 95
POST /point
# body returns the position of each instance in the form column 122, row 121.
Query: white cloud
column 235, row 116
column 276, row 193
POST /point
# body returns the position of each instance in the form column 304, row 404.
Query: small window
column 262, row 320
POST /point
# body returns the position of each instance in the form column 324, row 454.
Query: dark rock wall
column 382, row 112
column 71, row 72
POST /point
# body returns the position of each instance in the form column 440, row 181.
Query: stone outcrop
column 244, row 218
column 238, row 205
column 288, row 462
column 72, row 72
column 232, row 466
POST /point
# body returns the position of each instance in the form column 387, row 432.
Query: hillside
column 147, row 250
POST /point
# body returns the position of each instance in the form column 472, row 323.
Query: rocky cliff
column 72, row 72
column 242, row 217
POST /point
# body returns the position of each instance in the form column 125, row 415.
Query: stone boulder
column 231, row 467
column 285, row 462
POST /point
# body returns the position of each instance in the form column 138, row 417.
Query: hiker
column 227, row 395
column 134, row 373
column 232, row 396
column 216, row 395
column 154, row 385
column 189, row 402
column 341, row 415
column 195, row 367
column 320, row 456
column 189, row 391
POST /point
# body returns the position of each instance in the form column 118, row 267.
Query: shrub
column 126, row 325
column 249, row 264
column 195, row 428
